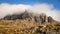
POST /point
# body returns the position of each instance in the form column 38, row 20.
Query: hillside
column 27, row 23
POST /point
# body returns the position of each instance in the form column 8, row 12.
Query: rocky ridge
column 26, row 15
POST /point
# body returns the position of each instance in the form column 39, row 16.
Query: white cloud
column 36, row 8
column 10, row 9
column 48, row 9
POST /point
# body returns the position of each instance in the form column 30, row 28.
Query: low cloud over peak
column 48, row 9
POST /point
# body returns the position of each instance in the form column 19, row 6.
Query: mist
column 48, row 9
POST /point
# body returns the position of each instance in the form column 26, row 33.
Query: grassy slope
column 23, row 27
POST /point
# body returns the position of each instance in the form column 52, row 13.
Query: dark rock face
column 7, row 17
column 18, row 16
column 12, row 17
column 50, row 19
column 35, row 18
column 43, row 18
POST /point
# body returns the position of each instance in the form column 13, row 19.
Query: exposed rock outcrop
column 18, row 16
column 42, row 18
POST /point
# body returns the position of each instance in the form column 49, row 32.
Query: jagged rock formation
column 42, row 18
column 18, row 16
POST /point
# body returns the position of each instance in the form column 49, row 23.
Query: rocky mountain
column 27, row 23
column 26, row 15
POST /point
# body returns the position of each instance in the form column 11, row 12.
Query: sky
column 56, row 3
column 49, row 7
